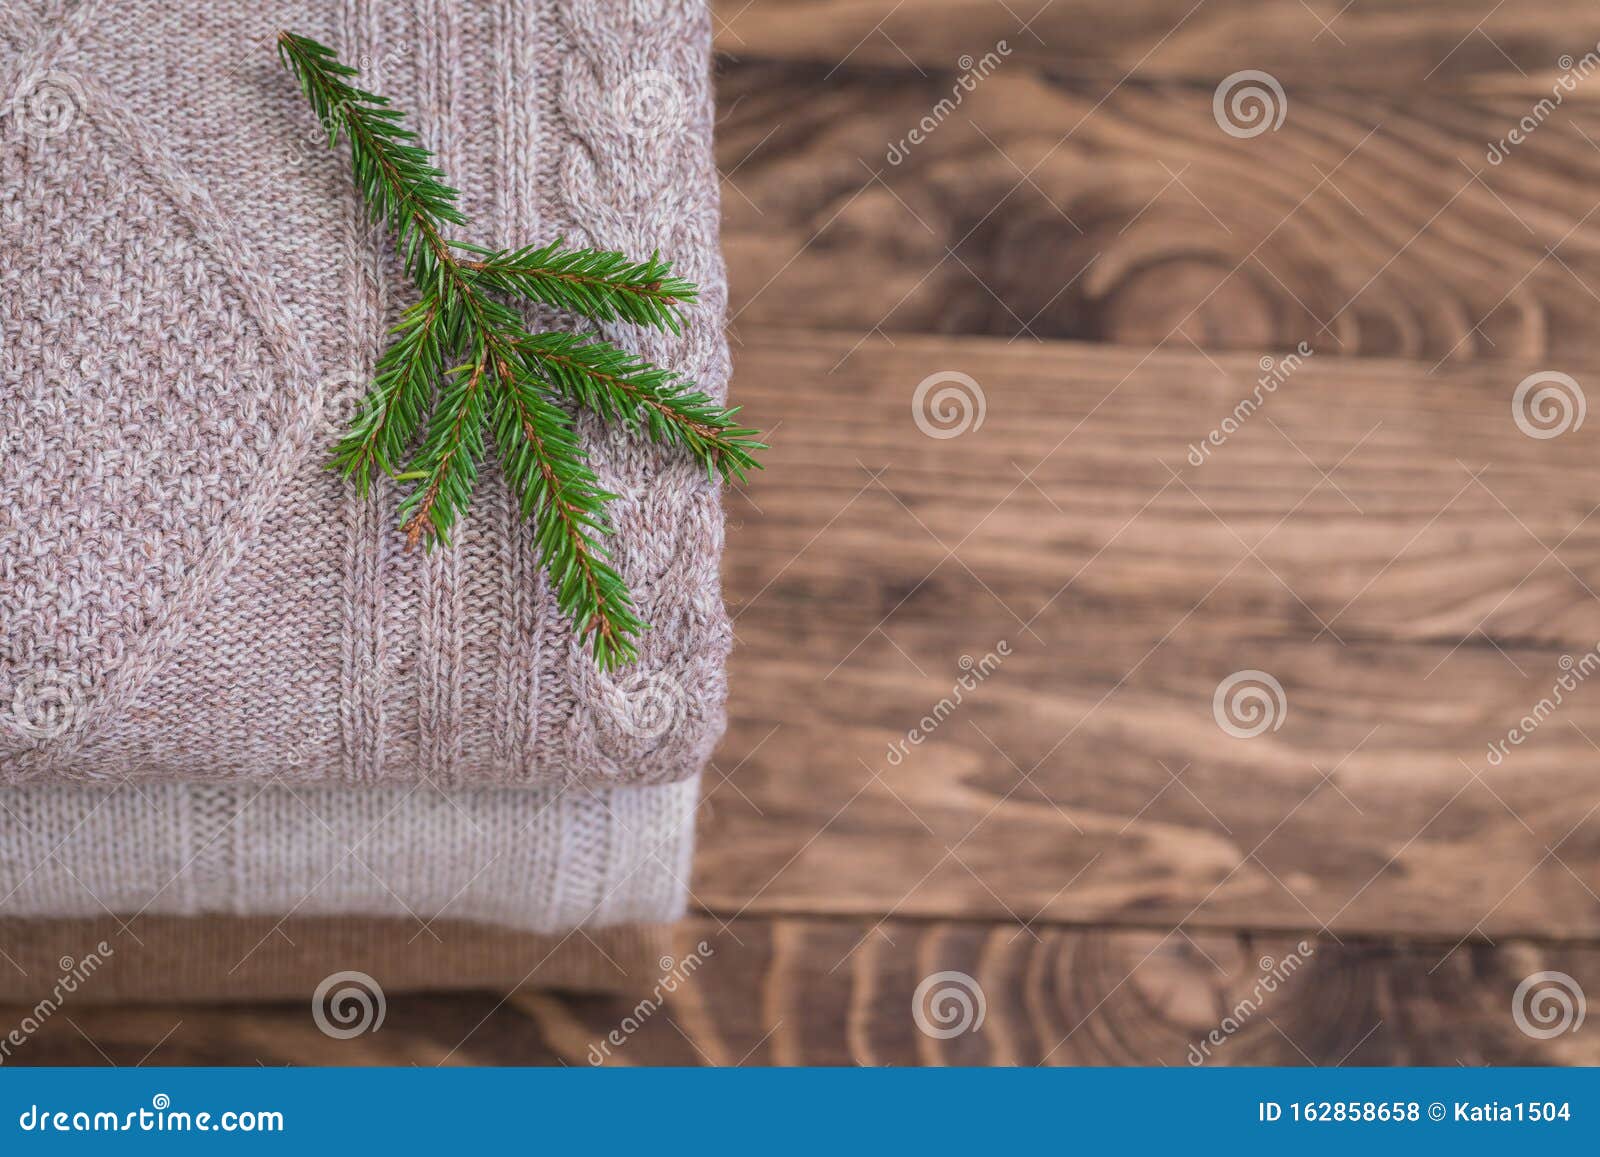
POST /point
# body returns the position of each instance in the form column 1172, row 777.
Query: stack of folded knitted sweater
column 243, row 730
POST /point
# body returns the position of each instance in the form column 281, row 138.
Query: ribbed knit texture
column 538, row 860
column 173, row 958
column 191, row 302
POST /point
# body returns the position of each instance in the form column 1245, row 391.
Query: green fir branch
column 544, row 464
column 447, row 461
column 504, row 383
column 599, row 284
column 621, row 387
column 383, row 430
column 401, row 185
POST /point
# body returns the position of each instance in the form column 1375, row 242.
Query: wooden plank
column 1049, row 207
column 1385, row 45
column 1414, row 605
column 831, row 992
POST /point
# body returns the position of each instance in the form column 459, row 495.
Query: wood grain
column 1387, row 45
column 1046, row 206
column 1414, row 604
column 842, row 992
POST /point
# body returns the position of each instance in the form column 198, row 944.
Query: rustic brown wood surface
column 1385, row 45
column 1405, row 601
column 842, row 992
column 1113, row 271
column 1045, row 206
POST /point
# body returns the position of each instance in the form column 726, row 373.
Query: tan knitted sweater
column 190, row 302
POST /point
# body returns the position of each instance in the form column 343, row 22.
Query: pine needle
column 600, row 285
column 462, row 372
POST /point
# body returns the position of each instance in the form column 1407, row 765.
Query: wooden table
column 1113, row 271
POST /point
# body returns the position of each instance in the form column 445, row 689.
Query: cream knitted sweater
column 190, row 302
column 545, row 860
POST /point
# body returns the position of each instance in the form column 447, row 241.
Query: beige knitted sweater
column 190, row 302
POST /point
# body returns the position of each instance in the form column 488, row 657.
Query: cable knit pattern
column 190, row 303
column 634, row 95
column 540, row 860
